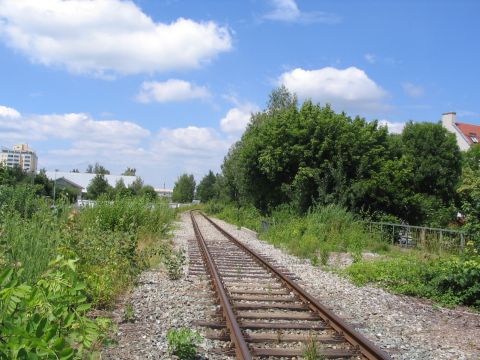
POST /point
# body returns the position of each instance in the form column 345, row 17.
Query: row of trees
column 308, row 155
column 98, row 186
column 185, row 189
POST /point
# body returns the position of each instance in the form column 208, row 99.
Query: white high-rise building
column 21, row 155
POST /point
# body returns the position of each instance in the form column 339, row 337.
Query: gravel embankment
column 161, row 304
column 406, row 328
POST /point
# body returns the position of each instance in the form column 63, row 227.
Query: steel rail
column 236, row 336
column 367, row 348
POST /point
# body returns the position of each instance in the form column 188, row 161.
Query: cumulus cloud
column 171, row 90
column 347, row 89
column 413, row 90
column 8, row 112
column 237, row 118
column 107, row 36
column 73, row 126
column 73, row 140
column 190, row 149
column 84, row 134
column 199, row 142
column 393, row 127
column 288, row 11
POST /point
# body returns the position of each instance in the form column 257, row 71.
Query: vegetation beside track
column 58, row 262
column 451, row 279
column 315, row 174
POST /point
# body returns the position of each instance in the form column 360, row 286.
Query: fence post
column 393, row 234
column 462, row 240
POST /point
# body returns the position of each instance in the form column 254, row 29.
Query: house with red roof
column 466, row 134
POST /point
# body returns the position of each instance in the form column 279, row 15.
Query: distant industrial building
column 165, row 193
column 80, row 181
column 467, row 134
column 22, row 156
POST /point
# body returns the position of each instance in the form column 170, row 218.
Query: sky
column 167, row 86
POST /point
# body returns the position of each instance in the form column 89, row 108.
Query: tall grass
column 113, row 240
column 315, row 235
column 321, row 231
column 247, row 216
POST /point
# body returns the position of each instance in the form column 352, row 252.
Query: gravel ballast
column 407, row 328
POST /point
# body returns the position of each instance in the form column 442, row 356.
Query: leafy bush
column 174, row 261
column 47, row 319
column 183, row 343
column 451, row 281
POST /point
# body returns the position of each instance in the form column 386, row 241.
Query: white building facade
column 467, row 134
column 22, row 156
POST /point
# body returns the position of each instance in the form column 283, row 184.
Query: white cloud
column 413, row 90
column 74, row 126
column 198, row 142
column 393, row 127
column 348, row 90
column 190, row 149
column 237, row 118
column 66, row 141
column 171, row 90
column 288, row 11
column 81, row 131
column 106, row 37
column 8, row 112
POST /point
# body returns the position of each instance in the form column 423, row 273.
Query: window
column 474, row 138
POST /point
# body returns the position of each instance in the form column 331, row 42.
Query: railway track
column 264, row 312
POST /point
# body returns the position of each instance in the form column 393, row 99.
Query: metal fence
column 431, row 239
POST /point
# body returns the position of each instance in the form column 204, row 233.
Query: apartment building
column 21, row 155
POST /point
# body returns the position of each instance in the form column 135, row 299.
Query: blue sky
column 168, row 86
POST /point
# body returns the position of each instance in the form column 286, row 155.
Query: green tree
column 206, row 189
column 120, row 189
column 469, row 192
column 309, row 155
column 424, row 179
column 12, row 175
column 184, row 189
column 136, row 186
column 97, row 169
column 43, row 184
column 130, row 172
column 149, row 192
column 98, row 186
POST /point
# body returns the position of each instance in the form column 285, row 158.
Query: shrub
column 47, row 319
column 174, row 261
column 451, row 281
column 183, row 343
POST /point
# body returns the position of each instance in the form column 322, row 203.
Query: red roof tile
column 469, row 130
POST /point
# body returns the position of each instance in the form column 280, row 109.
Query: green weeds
column 174, row 262
column 47, row 319
column 450, row 281
column 183, row 343
column 311, row 351
column 44, row 294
